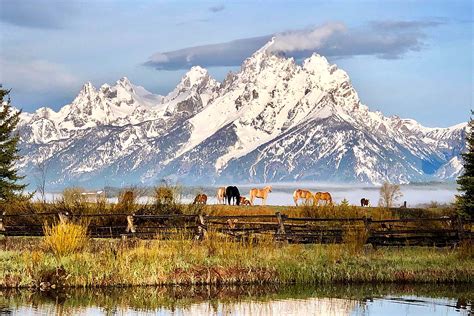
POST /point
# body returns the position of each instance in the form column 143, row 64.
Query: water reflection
column 244, row 300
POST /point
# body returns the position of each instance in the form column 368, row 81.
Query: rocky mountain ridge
column 274, row 120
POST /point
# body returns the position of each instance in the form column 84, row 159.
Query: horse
column 221, row 195
column 302, row 194
column 200, row 199
column 232, row 194
column 364, row 202
column 244, row 201
column 260, row 193
column 325, row 196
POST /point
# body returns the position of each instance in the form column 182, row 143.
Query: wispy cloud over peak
column 387, row 39
column 309, row 39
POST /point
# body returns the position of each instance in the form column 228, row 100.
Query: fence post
column 2, row 226
column 367, row 224
column 281, row 226
column 202, row 230
column 63, row 217
column 130, row 225
column 460, row 227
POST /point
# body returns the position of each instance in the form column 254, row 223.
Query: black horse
column 232, row 193
column 364, row 202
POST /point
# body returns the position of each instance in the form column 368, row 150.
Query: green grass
column 221, row 261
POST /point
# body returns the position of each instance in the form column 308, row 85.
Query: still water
column 384, row 300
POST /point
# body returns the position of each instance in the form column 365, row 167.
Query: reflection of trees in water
column 255, row 300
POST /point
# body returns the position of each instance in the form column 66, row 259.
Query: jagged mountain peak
column 87, row 89
column 197, row 78
column 274, row 120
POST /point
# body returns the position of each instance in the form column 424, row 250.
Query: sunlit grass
column 219, row 260
column 64, row 239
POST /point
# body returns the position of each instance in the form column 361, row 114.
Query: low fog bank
column 414, row 194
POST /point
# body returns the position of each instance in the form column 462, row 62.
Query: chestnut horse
column 221, row 195
column 306, row 195
column 364, row 202
column 260, row 193
column 324, row 196
column 200, row 199
column 244, row 201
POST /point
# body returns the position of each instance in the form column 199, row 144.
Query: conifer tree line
column 10, row 186
column 465, row 200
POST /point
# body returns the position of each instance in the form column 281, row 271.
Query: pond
column 384, row 300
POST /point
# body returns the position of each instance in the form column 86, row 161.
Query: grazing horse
column 221, row 195
column 232, row 194
column 200, row 199
column 364, row 202
column 260, row 193
column 244, row 201
column 306, row 195
column 325, row 196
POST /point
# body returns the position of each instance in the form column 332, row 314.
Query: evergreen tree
column 9, row 118
column 465, row 201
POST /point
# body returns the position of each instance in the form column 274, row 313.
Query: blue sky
column 409, row 58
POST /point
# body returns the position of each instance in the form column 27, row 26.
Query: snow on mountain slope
column 451, row 170
column 274, row 120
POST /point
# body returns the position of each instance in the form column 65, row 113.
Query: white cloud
column 311, row 39
column 387, row 39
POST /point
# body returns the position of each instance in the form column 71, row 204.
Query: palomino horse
column 200, row 199
column 306, row 195
column 364, row 202
column 221, row 195
column 324, row 196
column 260, row 193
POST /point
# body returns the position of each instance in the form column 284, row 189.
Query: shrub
column 167, row 200
column 73, row 196
column 64, row 239
column 166, row 195
column 355, row 239
column 465, row 249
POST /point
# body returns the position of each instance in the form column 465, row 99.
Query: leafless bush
column 389, row 194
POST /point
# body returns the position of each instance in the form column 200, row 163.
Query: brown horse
column 260, row 193
column 306, row 195
column 364, row 202
column 221, row 195
column 244, row 201
column 324, row 196
column 200, row 199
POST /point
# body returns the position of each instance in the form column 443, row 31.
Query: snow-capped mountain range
column 274, row 120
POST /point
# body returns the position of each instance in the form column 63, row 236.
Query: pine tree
column 465, row 201
column 9, row 178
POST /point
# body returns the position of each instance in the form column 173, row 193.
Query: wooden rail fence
column 439, row 231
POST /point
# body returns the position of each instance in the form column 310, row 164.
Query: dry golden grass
column 64, row 239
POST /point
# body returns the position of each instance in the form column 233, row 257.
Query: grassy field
column 30, row 262
column 67, row 257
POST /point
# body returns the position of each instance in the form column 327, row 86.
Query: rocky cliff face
column 274, row 120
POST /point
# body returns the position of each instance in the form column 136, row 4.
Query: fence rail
column 440, row 231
